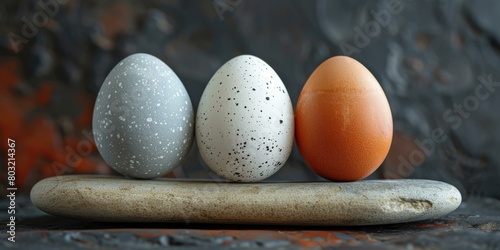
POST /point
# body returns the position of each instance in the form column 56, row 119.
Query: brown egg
column 343, row 122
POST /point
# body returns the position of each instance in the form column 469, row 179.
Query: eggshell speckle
column 143, row 118
column 244, row 123
column 343, row 121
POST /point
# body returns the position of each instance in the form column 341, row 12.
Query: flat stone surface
column 118, row 199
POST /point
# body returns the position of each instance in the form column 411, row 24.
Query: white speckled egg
column 244, row 122
column 143, row 118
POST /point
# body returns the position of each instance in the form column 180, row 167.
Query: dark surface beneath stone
column 474, row 225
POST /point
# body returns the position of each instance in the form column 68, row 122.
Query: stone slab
column 119, row 199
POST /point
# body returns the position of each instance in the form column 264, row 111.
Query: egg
column 245, row 121
column 343, row 121
column 143, row 118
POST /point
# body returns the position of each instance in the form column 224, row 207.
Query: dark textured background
column 428, row 58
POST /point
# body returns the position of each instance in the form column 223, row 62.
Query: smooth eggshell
column 244, row 123
column 143, row 118
column 343, row 121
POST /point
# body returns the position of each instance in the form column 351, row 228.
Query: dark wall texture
column 437, row 61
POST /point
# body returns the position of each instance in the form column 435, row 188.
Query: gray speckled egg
column 245, row 123
column 143, row 118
